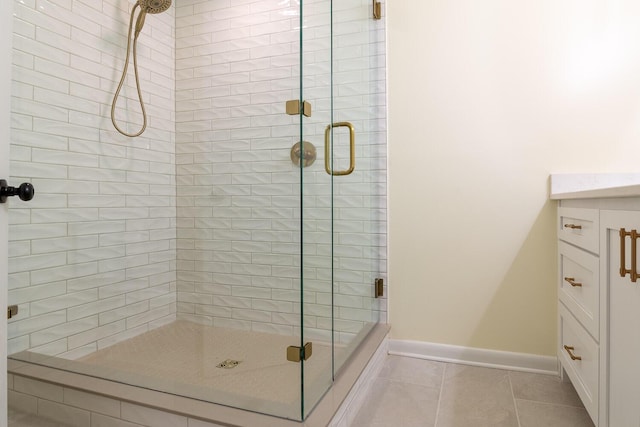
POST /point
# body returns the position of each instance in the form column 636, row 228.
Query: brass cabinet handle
column 634, row 245
column 633, row 272
column 352, row 149
column 573, row 226
column 572, row 282
column 570, row 351
column 623, row 267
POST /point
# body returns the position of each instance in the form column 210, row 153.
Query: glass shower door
column 358, row 164
column 316, row 309
column 342, row 193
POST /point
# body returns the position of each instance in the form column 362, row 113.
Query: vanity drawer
column 579, row 227
column 584, row 372
column 578, row 283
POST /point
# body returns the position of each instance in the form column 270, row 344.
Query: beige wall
column 486, row 99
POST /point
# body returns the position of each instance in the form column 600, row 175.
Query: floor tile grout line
column 542, row 402
column 513, row 398
column 444, row 371
column 583, row 409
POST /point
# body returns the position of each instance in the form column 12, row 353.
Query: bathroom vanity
column 598, row 231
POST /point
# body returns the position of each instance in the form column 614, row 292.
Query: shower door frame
column 6, row 26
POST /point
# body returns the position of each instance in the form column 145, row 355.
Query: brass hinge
column 378, row 288
column 296, row 354
column 293, row 108
column 12, row 310
column 377, row 9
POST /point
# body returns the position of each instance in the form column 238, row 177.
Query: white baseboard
column 475, row 356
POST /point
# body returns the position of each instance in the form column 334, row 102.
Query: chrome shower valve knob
column 25, row 191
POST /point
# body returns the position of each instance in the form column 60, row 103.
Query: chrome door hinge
column 296, row 354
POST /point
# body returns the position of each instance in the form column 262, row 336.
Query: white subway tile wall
column 239, row 194
column 200, row 217
column 71, row 407
column 93, row 254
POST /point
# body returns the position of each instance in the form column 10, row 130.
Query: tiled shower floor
column 184, row 357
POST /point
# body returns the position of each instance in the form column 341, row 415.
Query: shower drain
column 228, row 364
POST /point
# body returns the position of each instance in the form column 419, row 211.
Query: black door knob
column 25, row 191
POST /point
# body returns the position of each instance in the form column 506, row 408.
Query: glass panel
column 317, row 189
column 359, row 209
column 160, row 261
column 200, row 241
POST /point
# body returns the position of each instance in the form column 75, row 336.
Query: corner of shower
column 196, row 260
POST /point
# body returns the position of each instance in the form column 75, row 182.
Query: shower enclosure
column 229, row 253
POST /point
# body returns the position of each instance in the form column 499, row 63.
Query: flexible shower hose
column 124, row 75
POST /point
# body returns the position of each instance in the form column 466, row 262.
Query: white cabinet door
column 624, row 321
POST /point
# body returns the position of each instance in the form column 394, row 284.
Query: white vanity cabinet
column 599, row 305
column 579, row 349
column 624, row 315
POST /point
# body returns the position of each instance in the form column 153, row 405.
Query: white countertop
column 594, row 186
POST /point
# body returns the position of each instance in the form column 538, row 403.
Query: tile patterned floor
column 21, row 419
column 421, row 393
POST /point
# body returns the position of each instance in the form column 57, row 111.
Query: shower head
column 149, row 6
column 146, row 6
column 154, row 6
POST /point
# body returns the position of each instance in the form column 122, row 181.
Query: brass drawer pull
column 572, row 282
column 571, row 355
column 573, row 226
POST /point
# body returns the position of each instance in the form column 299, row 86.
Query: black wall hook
column 25, row 191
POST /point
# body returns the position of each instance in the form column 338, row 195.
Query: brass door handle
column 327, row 149
column 573, row 226
column 572, row 282
column 570, row 350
